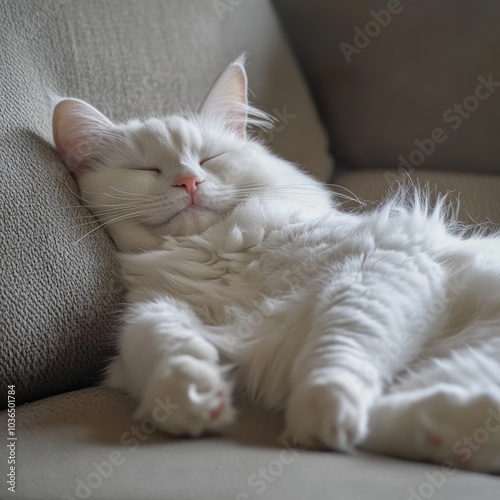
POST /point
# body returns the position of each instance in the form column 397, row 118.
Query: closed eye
column 205, row 160
column 148, row 169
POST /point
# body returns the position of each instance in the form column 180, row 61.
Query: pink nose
column 189, row 184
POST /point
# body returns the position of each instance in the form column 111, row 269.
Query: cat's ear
column 78, row 130
column 227, row 99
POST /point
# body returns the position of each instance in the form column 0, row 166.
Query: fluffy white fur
column 378, row 329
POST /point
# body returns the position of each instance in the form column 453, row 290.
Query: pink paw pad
column 214, row 414
column 436, row 441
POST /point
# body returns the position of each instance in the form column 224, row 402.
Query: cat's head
column 177, row 175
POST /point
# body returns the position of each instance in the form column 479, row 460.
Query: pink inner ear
column 239, row 115
column 238, row 123
column 76, row 125
column 73, row 155
column 227, row 99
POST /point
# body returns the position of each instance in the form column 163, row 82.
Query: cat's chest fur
column 210, row 271
column 234, row 266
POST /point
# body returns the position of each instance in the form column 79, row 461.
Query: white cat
column 379, row 329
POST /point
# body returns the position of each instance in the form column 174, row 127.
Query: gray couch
column 369, row 81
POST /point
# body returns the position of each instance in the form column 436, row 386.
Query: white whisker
column 131, row 194
column 105, row 224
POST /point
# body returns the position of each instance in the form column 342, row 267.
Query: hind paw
column 462, row 428
column 327, row 415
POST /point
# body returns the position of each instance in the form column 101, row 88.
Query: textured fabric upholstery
column 84, row 445
column 59, row 289
column 406, row 69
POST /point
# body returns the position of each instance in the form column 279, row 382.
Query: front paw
column 327, row 415
column 196, row 394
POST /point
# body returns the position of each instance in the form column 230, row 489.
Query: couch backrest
column 415, row 84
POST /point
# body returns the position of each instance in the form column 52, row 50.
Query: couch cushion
column 388, row 73
column 59, row 289
column 475, row 195
column 84, row 445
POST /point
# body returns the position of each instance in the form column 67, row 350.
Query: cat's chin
column 193, row 219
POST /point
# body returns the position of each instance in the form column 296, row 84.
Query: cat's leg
column 446, row 411
column 448, row 406
column 363, row 330
column 173, row 372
